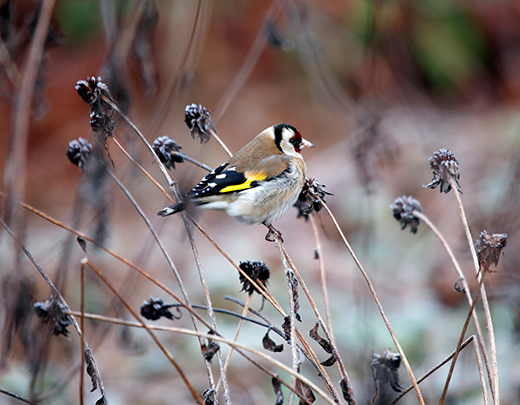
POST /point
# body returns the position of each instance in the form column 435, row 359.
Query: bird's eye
column 296, row 142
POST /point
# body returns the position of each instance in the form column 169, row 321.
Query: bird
column 258, row 184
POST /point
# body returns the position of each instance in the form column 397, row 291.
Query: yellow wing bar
column 246, row 184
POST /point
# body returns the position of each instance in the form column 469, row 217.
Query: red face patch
column 296, row 141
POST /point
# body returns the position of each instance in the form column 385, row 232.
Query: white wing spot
column 220, row 176
column 212, row 185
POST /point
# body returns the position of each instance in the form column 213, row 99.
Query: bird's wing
column 226, row 179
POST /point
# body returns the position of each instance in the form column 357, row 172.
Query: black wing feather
column 216, row 181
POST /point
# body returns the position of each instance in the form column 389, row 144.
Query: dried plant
column 131, row 66
column 403, row 209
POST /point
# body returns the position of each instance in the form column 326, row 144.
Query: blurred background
column 377, row 85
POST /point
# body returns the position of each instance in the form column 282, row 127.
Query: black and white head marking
column 287, row 139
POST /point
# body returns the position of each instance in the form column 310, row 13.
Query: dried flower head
column 385, row 369
column 198, row 120
column 311, row 198
column 92, row 90
column 51, row 311
column 168, row 151
column 155, row 308
column 257, row 271
column 101, row 123
column 79, row 152
column 445, row 166
column 403, row 209
column 488, row 247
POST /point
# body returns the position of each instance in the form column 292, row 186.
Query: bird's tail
column 172, row 209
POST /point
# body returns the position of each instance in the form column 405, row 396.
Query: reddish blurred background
column 377, row 85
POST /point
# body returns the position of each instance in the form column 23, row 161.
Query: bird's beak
column 306, row 144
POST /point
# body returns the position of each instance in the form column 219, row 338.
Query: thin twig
column 95, row 371
column 249, row 63
column 192, row 241
column 217, row 338
column 289, row 274
column 461, row 338
column 481, row 374
column 141, row 136
column 211, row 314
column 178, row 75
column 16, row 167
column 262, row 290
column 432, row 370
column 82, row 325
column 165, row 351
column 323, row 277
column 7, row 65
column 467, row 292
column 380, row 307
column 195, row 252
column 118, row 321
column 196, row 162
column 489, row 322
column 170, row 263
column 16, row 396
column 341, row 366
column 239, row 328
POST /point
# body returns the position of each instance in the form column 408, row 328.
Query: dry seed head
column 198, row 120
column 167, row 150
column 445, row 166
column 79, row 152
column 488, row 247
column 257, row 271
column 51, row 311
column 311, row 198
column 403, row 209
column 91, row 90
column 385, row 369
column 155, row 308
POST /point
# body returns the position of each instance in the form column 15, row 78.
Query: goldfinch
column 259, row 184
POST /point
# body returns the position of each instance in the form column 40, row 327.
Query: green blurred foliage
column 79, row 20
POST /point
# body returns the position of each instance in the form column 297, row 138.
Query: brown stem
column 431, row 371
column 292, row 315
column 178, row 76
column 249, row 63
column 15, row 167
column 95, row 372
column 194, row 393
column 322, row 276
column 82, row 325
column 245, row 310
column 461, row 339
column 238, row 347
column 339, row 360
column 379, row 306
column 467, row 292
column 489, row 322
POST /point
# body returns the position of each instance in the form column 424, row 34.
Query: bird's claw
column 272, row 234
